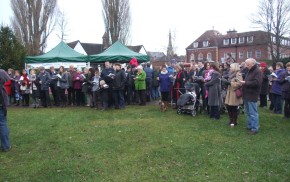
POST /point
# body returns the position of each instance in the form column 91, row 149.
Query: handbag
column 239, row 92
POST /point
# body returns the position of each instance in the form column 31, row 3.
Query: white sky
column 152, row 20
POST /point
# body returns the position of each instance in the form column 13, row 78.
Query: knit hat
column 263, row 64
column 139, row 67
column 117, row 64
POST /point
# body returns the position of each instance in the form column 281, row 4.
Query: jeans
column 4, row 131
column 277, row 102
column 214, row 112
column 55, row 95
column 252, row 115
column 62, row 96
column 71, row 96
column 155, row 92
column 96, row 96
column 263, row 100
column 45, row 98
column 287, row 108
column 119, row 98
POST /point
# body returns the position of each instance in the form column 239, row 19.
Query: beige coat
column 231, row 98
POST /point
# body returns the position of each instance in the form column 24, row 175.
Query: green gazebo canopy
column 118, row 53
column 61, row 53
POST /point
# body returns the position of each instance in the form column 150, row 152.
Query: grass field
column 142, row 144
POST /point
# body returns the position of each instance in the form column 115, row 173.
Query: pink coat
column 77, row 81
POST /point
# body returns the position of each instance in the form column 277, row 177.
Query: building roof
column 215, row 39
column 90, row 48
column 211, row 36
column 135, row 48
column 259, row 38
column 73, row 44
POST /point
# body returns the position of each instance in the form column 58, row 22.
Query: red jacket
column 8, row 85
column 134, row 62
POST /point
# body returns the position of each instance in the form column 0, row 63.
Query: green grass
column 142, row 144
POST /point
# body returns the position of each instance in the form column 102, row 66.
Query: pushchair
column 187, row 101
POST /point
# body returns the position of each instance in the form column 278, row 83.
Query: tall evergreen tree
column 12, row 53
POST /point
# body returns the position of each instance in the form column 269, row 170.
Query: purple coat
column 277, row 85
column 77, row 83
column 165, row 82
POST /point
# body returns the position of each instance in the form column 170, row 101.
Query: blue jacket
column 63, row 81
column 277, row 84
column 45, row 80
column 165, row 82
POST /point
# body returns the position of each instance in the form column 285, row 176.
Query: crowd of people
column 218, row 88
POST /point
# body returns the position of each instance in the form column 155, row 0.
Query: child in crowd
column 207, row 77
column 17, row 93
column 96, row 88
column 25, row 88
column 34, row 89
column 104, row 94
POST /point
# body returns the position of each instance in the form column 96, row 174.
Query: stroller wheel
column 178, row 110
column 193, row 113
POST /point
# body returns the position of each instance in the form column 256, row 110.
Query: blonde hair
column 235, row 66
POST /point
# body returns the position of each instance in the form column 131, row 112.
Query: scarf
column 232, row 74
column 164, row 72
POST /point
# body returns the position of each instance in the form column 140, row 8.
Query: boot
column 165, row 105
column 235, row 118
column 231, row 117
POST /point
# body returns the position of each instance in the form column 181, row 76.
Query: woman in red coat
column 8, row 86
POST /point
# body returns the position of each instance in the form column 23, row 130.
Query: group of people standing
column 113, row 86
column 217, row 88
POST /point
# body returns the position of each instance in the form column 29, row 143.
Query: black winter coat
column 252, row 87
column 265, row 83
column 214, row 89
column 285, row 86
column 119, row 80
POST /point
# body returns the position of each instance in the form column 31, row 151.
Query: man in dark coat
column 200, row 81
column 251, row 91
column 44, row 81
column 119, row 80
column 149, row 76
column 109, row 81
column 4, row 131
column 53, row 85
column 265, row 84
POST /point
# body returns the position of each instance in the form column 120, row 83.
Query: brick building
column 213, row 46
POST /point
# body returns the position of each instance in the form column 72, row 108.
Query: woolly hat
column 139, row 67
column 263, row 64
column 117, row 64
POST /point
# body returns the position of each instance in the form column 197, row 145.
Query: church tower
column 170, row 52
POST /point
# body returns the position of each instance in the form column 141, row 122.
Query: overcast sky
column 152, row 20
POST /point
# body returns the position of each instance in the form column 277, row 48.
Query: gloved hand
column 225, row 81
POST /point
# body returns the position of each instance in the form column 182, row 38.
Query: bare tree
column 117, row 19
column 274, row 17
column 33, row 21
column 62, row 25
